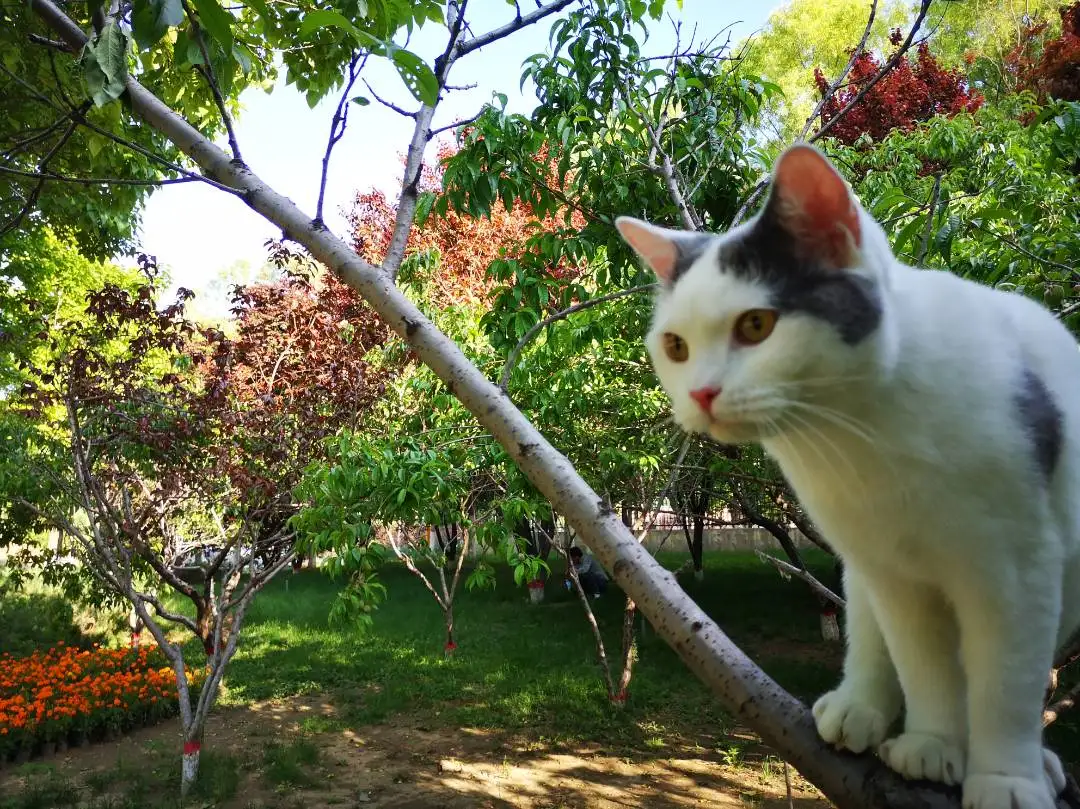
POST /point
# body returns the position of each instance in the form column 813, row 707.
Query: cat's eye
column 675, row 347
column 754, row 325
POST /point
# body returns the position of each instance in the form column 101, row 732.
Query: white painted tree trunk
column 189, row 768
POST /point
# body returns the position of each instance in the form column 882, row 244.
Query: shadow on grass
column 519, row 666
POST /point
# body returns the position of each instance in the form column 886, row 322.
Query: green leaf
column 104, row 63
column 151, row 19
column 328, row 18
column 217, row 22
column 417, row 76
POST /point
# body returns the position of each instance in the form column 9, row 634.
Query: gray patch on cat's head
column 1042, row 419
column 766, row 254
column 689, row 247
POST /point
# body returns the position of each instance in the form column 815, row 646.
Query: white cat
column 931, row 427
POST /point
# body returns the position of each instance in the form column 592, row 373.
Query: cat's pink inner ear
column 816, row 206
column 655, row 247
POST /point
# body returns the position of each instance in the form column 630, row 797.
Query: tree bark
column 850, row 782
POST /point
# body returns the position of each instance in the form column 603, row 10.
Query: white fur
column 907, row 452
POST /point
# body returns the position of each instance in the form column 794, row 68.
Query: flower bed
column 66, row 695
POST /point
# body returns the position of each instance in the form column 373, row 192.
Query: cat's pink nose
column 704, row 397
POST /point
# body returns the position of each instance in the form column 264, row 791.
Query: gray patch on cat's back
column 766, row 254
column 1042, row 419
column 689, row 247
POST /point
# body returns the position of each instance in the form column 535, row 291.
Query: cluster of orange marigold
column 66, row 694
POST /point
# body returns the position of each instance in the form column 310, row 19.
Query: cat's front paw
column 923, row 755
column 851, row 723
column 1054, row 772
column 1006, row 792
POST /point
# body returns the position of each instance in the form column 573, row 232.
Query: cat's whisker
column 828, row 441
column 846, row 421
column 779, row 435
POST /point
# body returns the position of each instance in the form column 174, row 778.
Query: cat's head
column 753, row 327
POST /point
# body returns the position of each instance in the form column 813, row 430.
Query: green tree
column 807, row 34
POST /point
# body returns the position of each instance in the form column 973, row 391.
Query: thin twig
column 512, row 359
column 520, row 21
column 925, row 245
column 207, row 71
column 456, row 124
column 1047, row 261
column 55, row 44
column 815, row 585
column 63, row 178
column 337, row 126
column 35, row 193
column 659, row 501
column 389, row 104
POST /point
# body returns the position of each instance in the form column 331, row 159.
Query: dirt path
column 404, row 764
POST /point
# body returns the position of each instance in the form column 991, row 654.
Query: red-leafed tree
column 914, row 91
column 180, row 446
column 1048, row 66
column 296, row 372
column 464, row 246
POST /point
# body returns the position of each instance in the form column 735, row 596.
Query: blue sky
column 197, row 231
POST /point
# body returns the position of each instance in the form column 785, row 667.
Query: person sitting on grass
column 592, row 577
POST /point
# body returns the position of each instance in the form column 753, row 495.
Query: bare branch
column 337, row 126
column 414, row 157
column 207, row 71
column 161, row 610
column 799, row 573
column 38, row 39
column 411, row 565
column 924, row 245
column 35, row 193
column 459, row 123
column 511, row 360
column 62, row 178
column 389, row 104
column 520, row 21
column 1020, row 249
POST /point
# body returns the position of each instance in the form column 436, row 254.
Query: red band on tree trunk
column 191, row 747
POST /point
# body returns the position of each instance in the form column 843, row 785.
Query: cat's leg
column 920, row 632
column 856, row 715
column 1008, row 625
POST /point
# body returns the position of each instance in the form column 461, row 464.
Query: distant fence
column 672, row 540
column 718, row 539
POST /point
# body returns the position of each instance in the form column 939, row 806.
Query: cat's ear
column 656, row 246
column 812, row 203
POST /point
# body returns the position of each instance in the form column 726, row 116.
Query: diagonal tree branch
column 520, row 21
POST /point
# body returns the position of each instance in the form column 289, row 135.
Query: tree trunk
column 189, row 768
column 448, row 614
column 697, row 547
column 630, row 653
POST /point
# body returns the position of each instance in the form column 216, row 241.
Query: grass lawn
column 524, row 677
